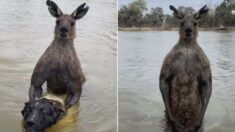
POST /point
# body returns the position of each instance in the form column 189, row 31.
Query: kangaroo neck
column 187, row 42
column 63, row 42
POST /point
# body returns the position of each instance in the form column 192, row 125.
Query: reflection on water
column 140, row 58
column 27, row 30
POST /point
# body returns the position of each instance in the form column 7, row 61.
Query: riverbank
column 169, row 29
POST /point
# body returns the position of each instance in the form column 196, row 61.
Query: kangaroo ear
column 176, row 13
column 80, row 11
column 54, row 9
column 201, row 13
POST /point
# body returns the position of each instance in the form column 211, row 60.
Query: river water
column 27, row 30
column 140, row 57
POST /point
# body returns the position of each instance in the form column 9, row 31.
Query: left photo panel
column 58, row 66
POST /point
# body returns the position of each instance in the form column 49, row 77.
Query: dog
column 40, row 114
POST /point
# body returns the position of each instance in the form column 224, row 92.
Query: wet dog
column 41, row 114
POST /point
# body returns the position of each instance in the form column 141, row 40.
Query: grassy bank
column 169, row 29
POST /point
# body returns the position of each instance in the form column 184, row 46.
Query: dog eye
column 41, row 109
column 29, row 109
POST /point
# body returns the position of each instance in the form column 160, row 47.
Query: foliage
column 223, row 13
column 135, row 14
column 155, row 17
column 186, row 10
column 131, row 15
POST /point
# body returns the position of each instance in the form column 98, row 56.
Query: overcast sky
column 196, row 4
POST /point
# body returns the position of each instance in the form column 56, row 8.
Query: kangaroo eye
column 195, row 24
column 57, row 22
column 72, row 23
column 182, row 24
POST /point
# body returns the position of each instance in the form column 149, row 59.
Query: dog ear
column 25, row 108
column 26, row 103
column 23, row 112
column 58, row 109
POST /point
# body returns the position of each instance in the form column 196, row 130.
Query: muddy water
column 141, row 54
column 27, row 30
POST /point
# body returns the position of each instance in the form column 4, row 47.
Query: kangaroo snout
column 64, row 30
column 188, row 30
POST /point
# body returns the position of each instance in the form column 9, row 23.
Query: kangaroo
column 185, row 78
column 59, row 66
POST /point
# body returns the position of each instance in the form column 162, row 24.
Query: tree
column 155, row 17
column 170, row 20
column 158, row 12
column 223, row 13
column 123, row 16
column 186, row 10
column 132, row 14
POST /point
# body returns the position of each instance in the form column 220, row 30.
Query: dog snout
column 64, row 30
column 31, row 119
column 30, row 123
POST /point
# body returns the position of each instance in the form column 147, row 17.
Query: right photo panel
column 176, row 66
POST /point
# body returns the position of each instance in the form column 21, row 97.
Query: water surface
column 140, row 56
column 27, row 30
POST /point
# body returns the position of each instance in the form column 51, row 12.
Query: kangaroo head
column 65, row 24
column 188, row 24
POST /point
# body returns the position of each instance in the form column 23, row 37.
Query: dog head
column 41, row 114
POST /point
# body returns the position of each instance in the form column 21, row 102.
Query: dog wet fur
column 41, row 114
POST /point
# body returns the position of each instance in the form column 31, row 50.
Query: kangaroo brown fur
column 59, row 66
column 185, row 78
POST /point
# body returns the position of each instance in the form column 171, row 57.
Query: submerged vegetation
column 136, row 14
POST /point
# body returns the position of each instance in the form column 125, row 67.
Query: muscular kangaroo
column 185, row 78
column 59, row 65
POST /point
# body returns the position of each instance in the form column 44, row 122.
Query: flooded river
column 140, row 56
column 27, row 30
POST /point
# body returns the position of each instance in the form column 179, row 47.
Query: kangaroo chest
column 186, row 61
column 64, row 60
column 64, row 67
column 186, row 67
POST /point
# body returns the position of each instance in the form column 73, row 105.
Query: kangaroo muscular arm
column 74, row 89
column 205, row 84
column 39, row 76
column 73, row 94
column 35, row 90
column 165, row 80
